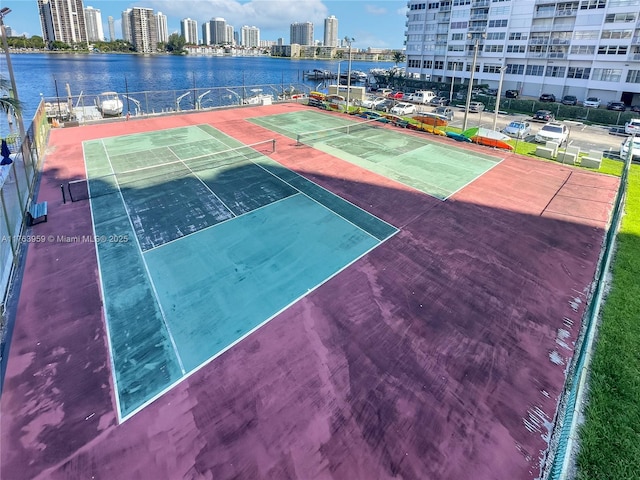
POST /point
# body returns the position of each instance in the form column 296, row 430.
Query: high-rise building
column 331, row 31
column 93, row 21
column 206, row 33
column 229, row 37
column 126, row 26
column 565, row 47
column 112, row 28
column 250, row 36
column 301, row 33
column 218, row 31
column 143, row 26
column 62, row 21
column 163, row 29
column 189, row 30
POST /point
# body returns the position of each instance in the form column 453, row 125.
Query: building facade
column 218, row 31
column 126, row 26
column 331, row 31
column 112, row 28
column 301, row 33
column 93, row 21
column 249, row 36
column 189, row 30
column 62, row 21
column 144, row 29
column 565, row 47
column 163, row 29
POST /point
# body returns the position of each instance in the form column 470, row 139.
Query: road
column 587, row 137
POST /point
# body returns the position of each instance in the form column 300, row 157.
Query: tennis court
column 433, row 168
column 201, row 240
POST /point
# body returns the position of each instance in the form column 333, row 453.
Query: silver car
column 476, row 106
column 518, row 129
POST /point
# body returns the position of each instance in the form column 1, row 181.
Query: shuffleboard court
column 203, row 243
column 432, row 168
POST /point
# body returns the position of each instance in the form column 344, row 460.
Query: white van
column 421, row 96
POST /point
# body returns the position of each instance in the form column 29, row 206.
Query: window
column 516, row 48
column 493, row 48
column 535, row 70
column 538, row 48
column 620, row 18
column 503, row 10
column 427, row 64
column 457, row 36
column 557, row 72
column 617, row 34
column 417, row 6
column 607, row 74
column 413, row 64
column 458, row 25
column 455, row 48
column 455, row 66
column 496, row 35
column 432, row 6
column 612, row 50
column 497, row 23
column 457, row 3
column 583, row 50
column 438, row 65
column 515, row 69
column 518, row 36
column 585, row 34
column 579, row 72
column 491, row 69
column 633, row 76
column 592, row 4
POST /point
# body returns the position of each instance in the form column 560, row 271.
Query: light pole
column 473, row 70
column 349, row 40
column 17, row 113
column 453, row 79
column 495, row 115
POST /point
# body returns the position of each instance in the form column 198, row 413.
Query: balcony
column 633, row 56
column 477, row 29
column 479, row 16
column 480, row 3
column 545, row 13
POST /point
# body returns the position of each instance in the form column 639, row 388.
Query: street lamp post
column 473, row 70
column 17, row 113
column 349, row 40
column 453, row 78
column 495, row 115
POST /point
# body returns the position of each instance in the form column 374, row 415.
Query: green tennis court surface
column 430, row 167
column 203, row 241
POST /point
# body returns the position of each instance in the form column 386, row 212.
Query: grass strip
column 610, row 435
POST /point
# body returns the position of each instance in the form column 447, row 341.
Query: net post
column 64, row 198
column 298, row 143
column 274, row 146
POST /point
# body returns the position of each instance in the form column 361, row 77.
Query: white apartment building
column 126, row 26
column 331, row 31
column 249, row 36
column 163, row 29
column 93, row 22
column 189, row 30
column 565, row 47
column 301, row 33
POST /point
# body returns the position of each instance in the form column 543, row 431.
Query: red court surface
column 439, row 355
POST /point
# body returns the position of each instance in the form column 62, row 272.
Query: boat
column 258, row 98
column 489, row 138
column 432, row 119
column 458, row 137
column 491, row 142
column 109, row 104
column 425, row 127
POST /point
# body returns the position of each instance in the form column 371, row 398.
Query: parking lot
column 587, row 137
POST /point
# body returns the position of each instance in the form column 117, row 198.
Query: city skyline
column 376, row 24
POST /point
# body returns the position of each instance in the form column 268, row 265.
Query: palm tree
column 398, row 57
column 8, row 104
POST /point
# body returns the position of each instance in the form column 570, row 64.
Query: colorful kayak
column 491, row 142
column 458, row 136
column 432, row 119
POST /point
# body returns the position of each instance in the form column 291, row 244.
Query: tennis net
column 154, row 175
column 308, row 138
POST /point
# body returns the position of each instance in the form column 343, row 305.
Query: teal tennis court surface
column 203, row 240
column 433, row 168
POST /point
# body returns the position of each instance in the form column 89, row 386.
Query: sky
column 371, row 23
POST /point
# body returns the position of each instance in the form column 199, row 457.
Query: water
column 40, row 74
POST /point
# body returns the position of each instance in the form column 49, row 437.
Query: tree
column 398, row 57
column 176, row 44
column 8, row 104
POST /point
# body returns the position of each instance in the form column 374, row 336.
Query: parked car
column 632, row 126
column 421, row 96
column 569, row 100
column 491, row 91
column 476, row 107
column 511, row 93
column 518, row 129
column 386, row 105
column 439, row 101
column 592, row 102
column 370, row 101
column 396, row 95
column 553, row 132
column 635, row 108
column 383, row 92
column 404, row 109
column 547, row 97
column 445, row 112
column 544, row 115
column 635, row 148
column 617, row 106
